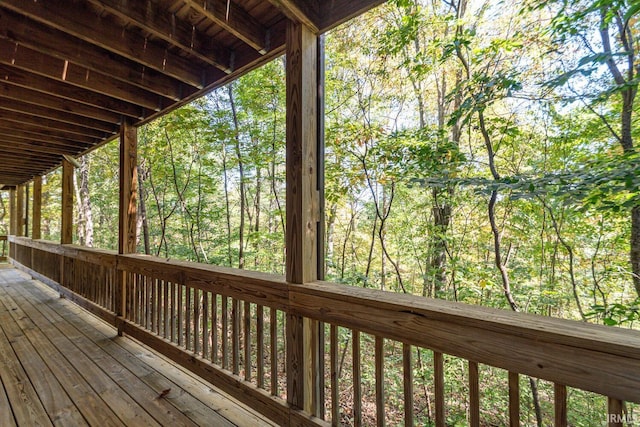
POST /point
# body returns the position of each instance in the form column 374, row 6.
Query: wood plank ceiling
column 71, row 71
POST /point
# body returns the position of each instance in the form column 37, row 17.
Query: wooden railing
column 229, row 327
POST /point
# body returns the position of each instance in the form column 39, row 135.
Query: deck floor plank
column 102, row 336
column 159, row 409
column 87, row 375
column 92, row 407
column 25, row 403
column 6, row 414
column 60, row 408
column 103, row 386
column 215, row 401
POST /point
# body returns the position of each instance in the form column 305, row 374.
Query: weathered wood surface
column 261, row 288
column 66, row 232
column 36, row 213
column 590, row 357
column 62, row 366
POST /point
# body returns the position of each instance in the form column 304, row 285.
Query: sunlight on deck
column 61, row 365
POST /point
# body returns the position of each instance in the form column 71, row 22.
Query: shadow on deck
column 61, row 365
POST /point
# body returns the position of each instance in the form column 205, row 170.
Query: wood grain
column 560, row 405
column 533, row 345
column 474, row 395
column 407, row 383
column 514, row 399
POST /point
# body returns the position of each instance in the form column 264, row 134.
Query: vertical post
column 26, row 210
column 303, row 211
column 20, row 210
column 66, row 232
column 128, row 207
column 13, row 224
column 36, row 215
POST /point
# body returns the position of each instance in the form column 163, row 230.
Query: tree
column 607, row 70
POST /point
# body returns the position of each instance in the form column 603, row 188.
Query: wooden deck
column 59, row 365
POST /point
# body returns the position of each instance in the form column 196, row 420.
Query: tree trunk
column 143, row 210
column 241, row 172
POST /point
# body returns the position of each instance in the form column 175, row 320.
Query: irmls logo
column 620, row 418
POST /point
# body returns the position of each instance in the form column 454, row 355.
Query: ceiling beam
column 48, row 124
column 46, row 113
column 86, row 25
column 322, row 15
column 31, row 154
column 306, row 12
column 49, row 86
column 19, row 29
column 235, row 20
column 18, row 93
column 164, row 25
column 27, row 133
column 40, row 146
column 26, row 59
column 21, row 164
column 336, row 12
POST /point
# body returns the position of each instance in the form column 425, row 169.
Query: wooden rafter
column 82, row 23
column 156, row 21
column 234, row 19
column 37, row 122
column 26, row 133
column 67, row 72
column 19, row 29
column 72, row 72
column 54, row 103
column 46, row 113
column 45, row 85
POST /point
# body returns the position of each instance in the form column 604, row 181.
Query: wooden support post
column 36, row 216
column 66, row 232
column 20, row 210
column 303, row 382
column 26, row 209
column 13, row 224
column 615, row 413
column 128, row 208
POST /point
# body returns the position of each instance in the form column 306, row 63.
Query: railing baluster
column 188, row 320
column 474, row 395
column 614, row 413
column 260, row 344
column 438, row 374
column 514, row 399
column 225, row 332
column 197, row 334
column 214, row 328
column 147, row 306
column 357, row 380
column 335, row 395
column 151, row 284
column 159, row 318
column 407, row 367
column 379, row 361
column 167, row 313
column 273, row 338
column 136, row 303
column 235, row 335
column 560, row 404
column 206, row 335
column 181, row 309
column 247, row 341
column 174, row 299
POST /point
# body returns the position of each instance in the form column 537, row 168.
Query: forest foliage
column 476, row 151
